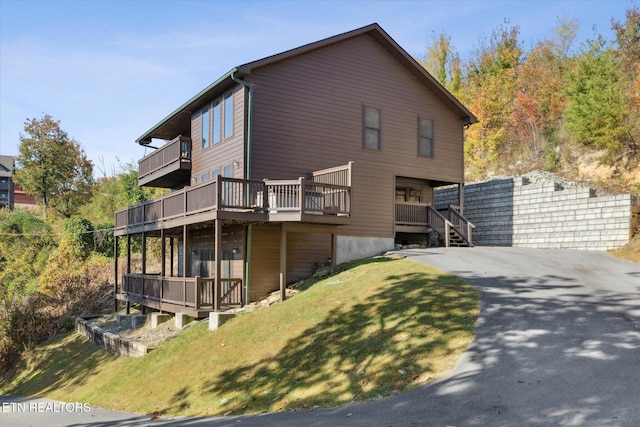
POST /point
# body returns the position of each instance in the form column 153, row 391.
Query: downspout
column 247, row 174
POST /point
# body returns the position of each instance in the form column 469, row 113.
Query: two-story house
column 7, row 168
column 319, row 155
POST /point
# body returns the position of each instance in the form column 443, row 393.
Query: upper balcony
column 167, row 167
column 324, row 199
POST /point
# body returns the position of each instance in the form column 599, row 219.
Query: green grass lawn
column 379, row 327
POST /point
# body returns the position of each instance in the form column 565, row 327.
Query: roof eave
column 145, row 138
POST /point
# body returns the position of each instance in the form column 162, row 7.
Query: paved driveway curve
column 558, row 343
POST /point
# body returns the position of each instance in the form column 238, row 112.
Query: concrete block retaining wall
column 110, row 341
column 544, row 213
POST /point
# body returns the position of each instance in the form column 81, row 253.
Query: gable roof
column 7, row 166
column 180, row 119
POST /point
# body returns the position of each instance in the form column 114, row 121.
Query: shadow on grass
column 77, row 360
column 376, row 348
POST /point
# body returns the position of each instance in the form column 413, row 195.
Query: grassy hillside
column 379, row 327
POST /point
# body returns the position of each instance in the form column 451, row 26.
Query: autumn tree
column 443, row 62
column 539, row 103
column 628, row 52
column 489, row 91
column 53, row 167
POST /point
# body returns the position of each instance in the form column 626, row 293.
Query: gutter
column 183, row 107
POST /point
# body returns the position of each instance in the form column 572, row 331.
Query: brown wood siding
column 265, row 261
column 303, row 251
column 308, row 116
column 224, row 153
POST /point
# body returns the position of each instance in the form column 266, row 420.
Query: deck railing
column 410, row 213
column 462, row 225
column 340, row 175
column 231, row 194
column 178, row 149
column 196, row 293
column 423, row 214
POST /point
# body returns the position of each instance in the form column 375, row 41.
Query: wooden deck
column 195, row 296
column 301, row 200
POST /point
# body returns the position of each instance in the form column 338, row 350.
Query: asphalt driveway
column 558, row 343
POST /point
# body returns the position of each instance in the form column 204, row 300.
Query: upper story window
column 217, row 121
column 217, row 117
column 371, row 128
column 228, row 115
column 425, row 137
column 205, row 127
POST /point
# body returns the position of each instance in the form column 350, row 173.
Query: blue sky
column 110, row 70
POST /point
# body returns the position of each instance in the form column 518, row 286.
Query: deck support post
column 171, row 256
column 217, row 289
column 128, row 267
column 163, row 254
column 283, row 263
column 185, row 251
column 128, row 253
column 144, row 253
column 334, row 251
column 115, row 274
column 461, row 197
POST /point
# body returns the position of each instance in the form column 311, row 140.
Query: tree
column 539, row 103
column 25, row 244
column 53, row 167
column 489, row 91
column 628, row 51
column 597, row 106
column 443, row 62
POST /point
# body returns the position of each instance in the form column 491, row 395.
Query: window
column 228, row 115
column 228, row 171
column 204, row 177
column 205, row 127
column 215, row 173
column 215, row 136
column 371, row 128
column 425, row 137
column 404, row 194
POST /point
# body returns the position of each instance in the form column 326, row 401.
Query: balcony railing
column 194, row 293
column 275, row 198
column 166, row 165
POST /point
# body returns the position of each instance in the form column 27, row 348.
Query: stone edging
column 111, row 342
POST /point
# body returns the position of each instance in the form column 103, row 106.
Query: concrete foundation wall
column 350, row 248
column 544, row 213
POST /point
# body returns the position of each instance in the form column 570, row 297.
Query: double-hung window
column 372, row 128
column 425, row 137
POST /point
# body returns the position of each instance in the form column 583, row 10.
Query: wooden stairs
column 453, row 228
